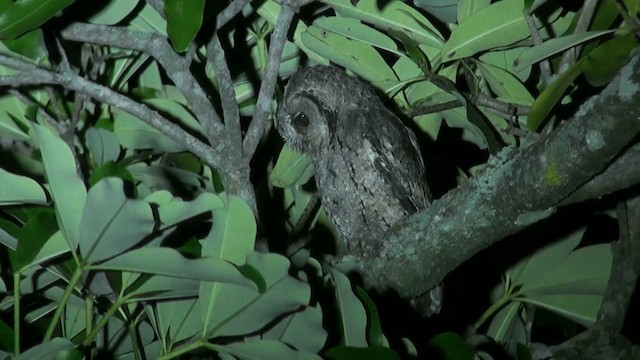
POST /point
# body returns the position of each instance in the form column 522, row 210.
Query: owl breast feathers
column 368, row 168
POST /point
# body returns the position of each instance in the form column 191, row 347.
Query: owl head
column 316, row 103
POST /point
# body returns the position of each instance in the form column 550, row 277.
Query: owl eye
column 301, row 119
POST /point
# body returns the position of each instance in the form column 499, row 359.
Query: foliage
column 120, row 238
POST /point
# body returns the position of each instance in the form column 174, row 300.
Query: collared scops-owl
column 368, row 168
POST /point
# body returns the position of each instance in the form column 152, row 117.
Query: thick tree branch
column 621, row 174
column 519, row 187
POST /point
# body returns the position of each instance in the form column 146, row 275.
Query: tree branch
column 519, row 187
column 176, row 66
column 278, row 38
column 215, row 56
column 33, row 75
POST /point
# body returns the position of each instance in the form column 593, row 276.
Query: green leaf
column 136, row 134
column 157, row 287
column 353, row 317
column 178, row 319
column 553, row 46
column 292, row 168
column 567, row 282
column 33, row 235
column 264, row 349
column 67, row 189
column 111, row 223
column 452, row 346
column 30, row 45
column 504, row 84
column 527, row 269
column 375, row 335
column 466, row 8
column 354, row 55
column 504, row 59
column 184, row 19
column 20, row 190
column 149, row 20
column 233, row 310
column 18, row 17
column 110, row 169
column 113, row 12
column 604, row 62
column 355, row 30
column 394, row 15
column 303, row 330
column 443, row 10
column 232, row 236
column 103, row 144
column 161, row 177
column 176, row 111
column 506, row 323
column 169, row 262
column 474, row 115
column 356, row 353
column 47, row 351
column 551, row 95
column 500, row 24
column 176, row 210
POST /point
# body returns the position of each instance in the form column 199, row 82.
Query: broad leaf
column 264, row 349
column 18, row 189
column 112, row 223
column 136, row 134
column 19, row 17
column 169, row 262
column 551, row 47
column 604, row 62
column 48, row 350
column 184, row 19
column 292, row 168
column 67, row 189
column 303, row 330
column 113, row 12
column 354, row 55
column 497, row 25
column 393, row 16
column 235, row 310
column 353, row 317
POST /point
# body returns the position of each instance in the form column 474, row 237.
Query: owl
column 368, row 168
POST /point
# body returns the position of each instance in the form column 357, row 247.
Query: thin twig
column 545, row 66
column 586, row 13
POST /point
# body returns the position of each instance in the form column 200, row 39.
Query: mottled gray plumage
column 368, row 168
column 369, row 171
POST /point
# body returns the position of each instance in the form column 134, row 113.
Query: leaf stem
column 494, row 308
column 16, row 313
column 65, row 297
column 104, row 320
